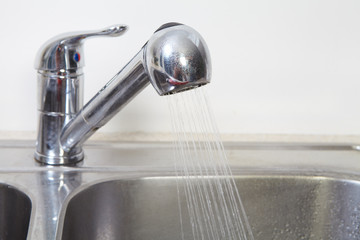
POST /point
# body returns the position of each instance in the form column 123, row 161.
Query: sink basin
column 278, row 206
column 15, row 210
column 129, row 191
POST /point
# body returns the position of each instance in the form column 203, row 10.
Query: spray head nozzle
column 177, row 59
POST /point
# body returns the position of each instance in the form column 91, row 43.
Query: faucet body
column 60, row 98
column 174, row 59
column 59, row 65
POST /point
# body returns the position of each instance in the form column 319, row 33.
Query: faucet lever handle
column 77, row 37
column 65, row 52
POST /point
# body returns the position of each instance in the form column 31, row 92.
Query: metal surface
column 175, row 59
column 128, row 191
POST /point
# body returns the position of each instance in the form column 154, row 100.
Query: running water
column 213, row 201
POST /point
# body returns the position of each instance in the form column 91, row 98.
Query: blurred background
column 279, row 67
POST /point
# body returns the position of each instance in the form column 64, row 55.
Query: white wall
column 288, row 67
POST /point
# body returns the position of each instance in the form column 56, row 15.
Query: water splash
column 213, row 201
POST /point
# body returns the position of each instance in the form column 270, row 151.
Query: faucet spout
column 120, row 90
column 175, row 59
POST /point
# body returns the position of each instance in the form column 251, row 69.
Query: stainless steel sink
column 128, row 191
column 279, row 206
column 15, row 209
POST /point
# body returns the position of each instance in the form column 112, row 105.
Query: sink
column 15, row 210
column 278, row 206
column 129, row 191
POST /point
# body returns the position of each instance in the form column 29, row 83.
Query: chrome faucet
column 174, row 59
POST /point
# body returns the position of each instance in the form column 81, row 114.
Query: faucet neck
column 118, row 92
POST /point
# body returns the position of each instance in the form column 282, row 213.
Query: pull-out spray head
column 177, row 59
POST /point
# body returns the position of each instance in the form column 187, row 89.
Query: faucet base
column 59, row 160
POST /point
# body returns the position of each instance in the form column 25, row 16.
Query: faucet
column 174, row 59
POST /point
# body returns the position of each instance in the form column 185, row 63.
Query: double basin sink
column 129, row 191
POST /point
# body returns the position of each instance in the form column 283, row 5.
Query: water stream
column 213, row 202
